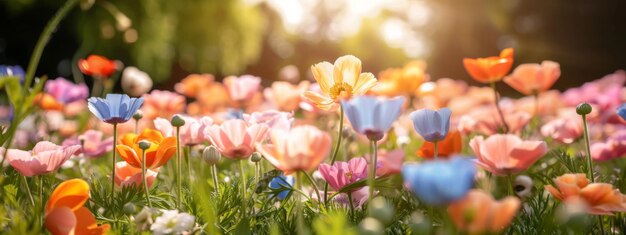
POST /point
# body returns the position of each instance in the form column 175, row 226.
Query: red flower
column 97, row 66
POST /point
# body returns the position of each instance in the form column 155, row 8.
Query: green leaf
column 14, row 90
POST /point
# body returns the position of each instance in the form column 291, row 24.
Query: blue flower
column 12, row 71
column 431, row 125
column 440, row 182
column 282, row 181
column 371, row 116
column 116, row 108
column 621, row 111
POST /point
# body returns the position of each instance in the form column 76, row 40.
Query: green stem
column 215, row 180
column 243, row 188
column 510, row 185
column 372, row 177
column 317, row 190
column 335, row 150
column 44, row 38
column 30, row 194
column 351, row 206
column 113, row 162
column 41, row 199
column 188, row 157
column 587, row 148
column 136, row 126
column 300, row 221
column 145, row 177
column 436, row 143
column 178, row 168
column 496, row 100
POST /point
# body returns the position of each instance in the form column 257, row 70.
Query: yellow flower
column 339, row 81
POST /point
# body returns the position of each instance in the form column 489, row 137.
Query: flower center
column 349, row 175
column 340, row 90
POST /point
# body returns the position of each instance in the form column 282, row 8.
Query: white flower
column 135, row 82
column 172, row 222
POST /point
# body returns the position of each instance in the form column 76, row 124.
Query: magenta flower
column 45, row 157
column 242, row 88
column 614, row 147
column 371, row 116
column 93, row 146
column 344, row 173
column 65, row 91
column 191, row 133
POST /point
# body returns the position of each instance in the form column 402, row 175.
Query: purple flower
column 12, row 71
column 65, row 91
column 116, row 108
column 371, row 116
column 430, row 124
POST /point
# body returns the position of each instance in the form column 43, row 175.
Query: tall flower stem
column 41, row 199
column 436, row 154
column 113, row 162
column 350, row 201
column 300, row 221
column 144, row 181
column 335, row 150
column 496, row 99
column 188, row 157
column 372, row 176
column 30, row 194
column 243, row 188
column 317, row 190
column 509, row 178
column 178, row 169
column 215, row 179
column 590, row 164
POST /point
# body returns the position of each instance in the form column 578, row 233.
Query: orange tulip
column 47, row 102
column 97, row 66
column 65, row 212
column 490, row 69
column 160, row 151
column 479, row 213
column 450, row 145
column 600, row 198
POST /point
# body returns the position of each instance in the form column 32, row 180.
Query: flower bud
column 256, row 157
column 583, row 108
column 177, row 121
column 371, row 226
column 523, row 186
column 138, row 115
column 129, row 208
column 419, row 223
column 135, row 82
column 211, row 155
column 144, row 144
column 381, row 210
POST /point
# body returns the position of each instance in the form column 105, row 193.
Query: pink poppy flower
column 302, row 148
column 45, row 157
column 242, row 88
column 191, row 133
column 272, row 118
column 235, row 138
column 284, row 95
column 506, row 154
column 534, row 78
column 486, row 121
column 389, row 162
column 564, row 130
column 614, row 147
column 93, row 146
column 126, row 175
column 605, row 93
column 162, row 104
column 344, row 173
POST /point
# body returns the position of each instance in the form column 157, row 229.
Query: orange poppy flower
column 479, row 213
column 97, row 66
column 160, row 151
column 47, row 102
column 600, row 198
column 191, row 85
column 65, row 212
column 447, row 147
column 401, row 81
column 490, row 69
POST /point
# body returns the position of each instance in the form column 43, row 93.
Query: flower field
column 349, row 151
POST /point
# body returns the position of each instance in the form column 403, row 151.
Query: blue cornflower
column 116, row 108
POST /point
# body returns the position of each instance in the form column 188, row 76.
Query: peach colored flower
column 45, row 157
column 302, row 148
column 160, row 151
column 506, row 154
column 401, row 81
column 243, row 88
column 285, row 96
column 339, row 81
column 480, row 213
column 490, row 69
column 192, row 85
column 485, row 121
column 600, row 198
column 389, row 162
column 564, row 130
column 65, row 212
column 534, row 78
column 126, row 175
column 191, row 133
column 162, row 104
column 235, row 138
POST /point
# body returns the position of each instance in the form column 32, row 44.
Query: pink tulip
column 506, row 154
column 534, row 78
column 235, row 138
column 389, row 162
column 242, row 88
column 127, row 175
column 564, row 130
column 344, row 173
column 284, row 95
column 302, row 148
column 93, row 145
column 191, row 133
column 45, row 157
